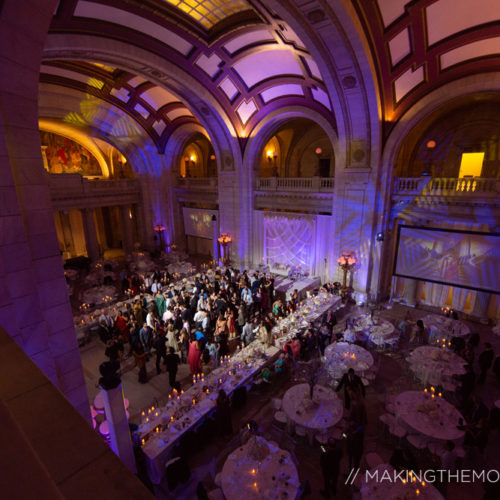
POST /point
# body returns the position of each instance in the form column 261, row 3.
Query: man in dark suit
column 352, row 381
column 331, row 455
column 485, row 361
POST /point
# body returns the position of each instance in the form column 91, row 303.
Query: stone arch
column 468, row 86
column 334, row 37
column 156, row 69
column 257, row 141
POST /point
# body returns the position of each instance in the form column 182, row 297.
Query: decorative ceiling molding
column 258, row 62
column 424, row 44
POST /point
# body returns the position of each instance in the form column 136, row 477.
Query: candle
column 194, row 401
column 143, row 441
column 147, row 420
column 417, row 492
column 253, row 472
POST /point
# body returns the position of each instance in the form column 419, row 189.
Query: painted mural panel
column 65, row 156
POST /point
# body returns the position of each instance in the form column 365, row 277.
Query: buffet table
column 259, row 470
column 341, row 356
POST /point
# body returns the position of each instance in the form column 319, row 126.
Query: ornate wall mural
column 65, row 156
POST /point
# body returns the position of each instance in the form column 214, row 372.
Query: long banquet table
column 166, row 425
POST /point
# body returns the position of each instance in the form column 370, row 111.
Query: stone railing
column 209, row 183
column 67, row 190
column 301, row 184
column 471, row 187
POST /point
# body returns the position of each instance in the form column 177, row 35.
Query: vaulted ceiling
column 253, row 63
column 423, row 44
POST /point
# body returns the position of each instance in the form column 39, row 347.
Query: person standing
column 330, row 458
column 172, row 361
column 352, row 381
column 140, row 362
column 485, row 361
column 161, row 351
column 194, row 356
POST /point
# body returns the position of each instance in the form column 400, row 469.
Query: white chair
column 388, row 419
column 300, row 430
column 397, row 431
column 373, row 459
column 322, row 437
column 417, row 441
column 276, row 404
column 280, row 418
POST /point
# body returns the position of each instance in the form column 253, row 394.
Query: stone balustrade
column 302, row 184
column 465, row 187
column 74, row 191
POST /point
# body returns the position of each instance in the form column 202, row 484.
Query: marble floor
column 393, row 377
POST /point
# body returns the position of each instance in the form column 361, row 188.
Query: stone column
column 410, row 291
column 126, row 229
column 34, row 303
column 90, row 233
column 481, row 306
column 119, row 432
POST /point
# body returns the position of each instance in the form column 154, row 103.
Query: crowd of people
column 196, row 322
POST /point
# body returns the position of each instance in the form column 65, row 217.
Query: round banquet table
column 377, row 331
column 447, row 327
column 272, row 477
column 324, row 411
column 435, row 365
column 341, row 356
column 433, row 417
column 384, row 487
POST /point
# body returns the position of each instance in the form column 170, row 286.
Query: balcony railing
column 209, row 183
column 76, row 184
column 300, row 184
column 472, row 187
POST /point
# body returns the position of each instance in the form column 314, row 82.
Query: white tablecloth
column 324, row 411
column 377, row 331
column 435, row 365
column 433, row 417
column 341, row 356
column 385, row 487
column 446, row 327
column 186, row 415
column 273, row 478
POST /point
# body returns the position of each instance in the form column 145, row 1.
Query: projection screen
column 465, row 259
column 198, row 222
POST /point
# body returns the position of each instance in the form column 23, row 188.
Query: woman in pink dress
column 194, row 356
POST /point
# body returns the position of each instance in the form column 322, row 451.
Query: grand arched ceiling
column 251, row 62
column 420, row 45
column 157, row 110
